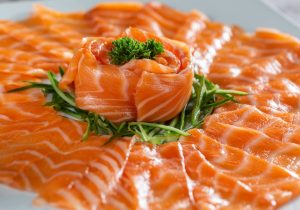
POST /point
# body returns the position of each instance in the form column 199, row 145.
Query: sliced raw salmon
column 293, row 118
column 283, row 154
column 29, row 58
column 42, row 151
column 262, row 62
column 245, row 156
column 135, row 90
column 251, row 117
column 268, row 182
column 165, row 21
column 111, row 19
column 7, row 41
column 68, row 29
column 97, row 174
column 22, row 69
column 40, row 44
column 10, row 81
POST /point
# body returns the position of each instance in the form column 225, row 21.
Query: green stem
column 58, row 91
column 233, row 92
column 164, row 127
column 197, row 107
column 87, row 131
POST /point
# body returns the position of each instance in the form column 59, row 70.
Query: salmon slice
column 285, row 102
column 30, row 37
column 15, row 75
column 111, row 19
column 180, row 176
column 7, row 41
column 154, row 179
column 283, row 154
column 123, row 196
column 38, row 125
column 74, row 20
column 209, row 41
column 45, row 154
column 15, row 110
column 256, row 63
column 251, row 117
column 10, row 81
column 293, row 118
column 29, row 58
column 97, row 175
column 157, row 178
column 268, row 182
column 52, row 167
column 15, row 98
column 135, row 90
column 59, row 27
column 19, row 69
column 164, row 21
column 286, row 83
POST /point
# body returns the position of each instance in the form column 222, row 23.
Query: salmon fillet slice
column 10, row 81
column 32, row 38
column 251, row 117
column 46, row 155
column 192, row 173
column 67, row 29
column 16, row 110
column 162, row 173
column 7, row 41
column 283, row 154
column 293, row 118
column 21, row 69
column 29, row 58
column 258, row 63
column 267, row 181
column 98, row 175
column 111, row 19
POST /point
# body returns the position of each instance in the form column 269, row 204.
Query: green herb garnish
column 206, row 96
column 126, row 49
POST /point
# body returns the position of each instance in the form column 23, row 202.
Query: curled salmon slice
column 143, row 90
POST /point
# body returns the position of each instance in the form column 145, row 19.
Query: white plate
column 249, row 14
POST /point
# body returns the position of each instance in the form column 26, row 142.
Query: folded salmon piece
column 143, row 89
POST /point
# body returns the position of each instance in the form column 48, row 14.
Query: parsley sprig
column 206, row 97
column 126, row 49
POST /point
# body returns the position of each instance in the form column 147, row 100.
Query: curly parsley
column 126, row 49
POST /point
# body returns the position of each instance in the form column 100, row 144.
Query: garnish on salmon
column 126, row 49
column 204, row 100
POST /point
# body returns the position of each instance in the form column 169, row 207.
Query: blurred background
column 291, row 8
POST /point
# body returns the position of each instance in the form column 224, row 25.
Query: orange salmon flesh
column 245, row 156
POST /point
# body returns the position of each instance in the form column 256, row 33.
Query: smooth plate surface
column 249, row 14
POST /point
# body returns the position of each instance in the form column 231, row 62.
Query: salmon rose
column 141, row 89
